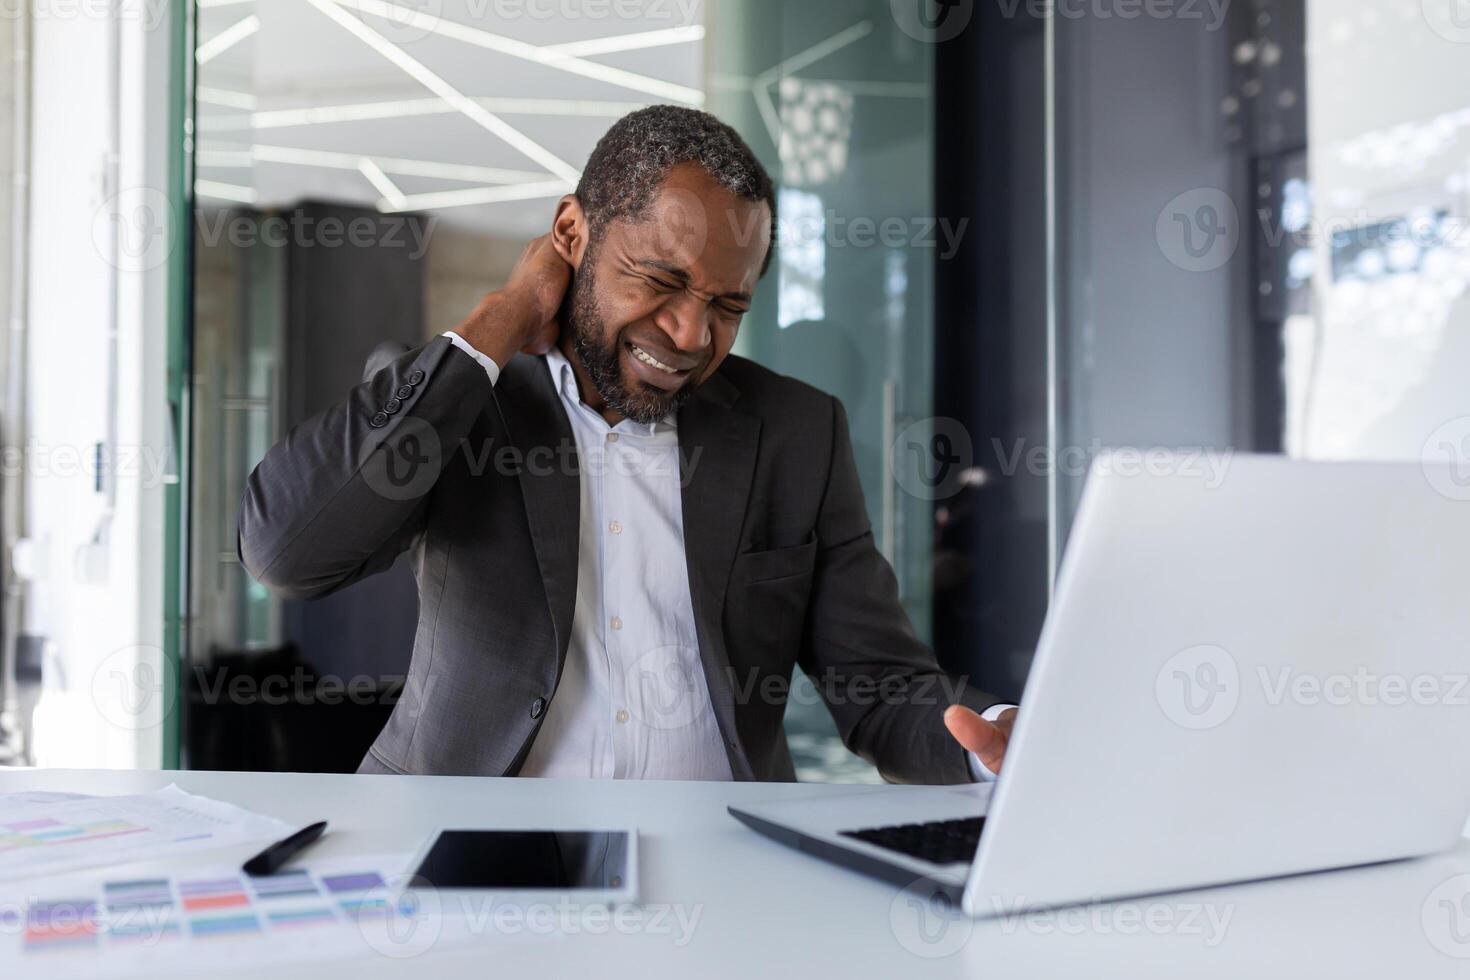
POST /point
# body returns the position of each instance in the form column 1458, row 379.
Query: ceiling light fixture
column 478, row 195
column 384, row 186
column 420, row 73
column 630, row 42
column 226, row 39
column 406, row 16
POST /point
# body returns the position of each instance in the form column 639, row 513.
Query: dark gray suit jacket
column 482, row 484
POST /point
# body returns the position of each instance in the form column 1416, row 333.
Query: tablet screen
column 539, row 859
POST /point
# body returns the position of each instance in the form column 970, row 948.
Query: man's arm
column 883, row 687
column 347, row 491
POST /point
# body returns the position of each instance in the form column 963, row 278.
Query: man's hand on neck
column 522, row 314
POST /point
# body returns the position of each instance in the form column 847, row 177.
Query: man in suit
column 624, row 537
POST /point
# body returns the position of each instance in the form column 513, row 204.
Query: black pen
column 269, row 861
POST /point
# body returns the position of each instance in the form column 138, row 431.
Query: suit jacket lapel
column 717, row 450
column 551, row 489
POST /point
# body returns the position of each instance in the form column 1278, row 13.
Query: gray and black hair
column 632, row 159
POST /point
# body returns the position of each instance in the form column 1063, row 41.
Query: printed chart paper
column 46, row 833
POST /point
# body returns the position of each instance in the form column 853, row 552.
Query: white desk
column 767, row 911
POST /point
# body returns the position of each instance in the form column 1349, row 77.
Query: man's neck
column 586, row 390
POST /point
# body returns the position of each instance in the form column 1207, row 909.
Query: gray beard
column 603, row 360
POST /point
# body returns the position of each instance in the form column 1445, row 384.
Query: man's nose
column 685, row 318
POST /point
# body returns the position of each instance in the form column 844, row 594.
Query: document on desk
column 46, row 833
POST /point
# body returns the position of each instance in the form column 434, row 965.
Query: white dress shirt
column 632, row 702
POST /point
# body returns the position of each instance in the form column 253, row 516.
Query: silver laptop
column 1242, row 675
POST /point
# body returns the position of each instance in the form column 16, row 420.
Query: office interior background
column 1013, row 233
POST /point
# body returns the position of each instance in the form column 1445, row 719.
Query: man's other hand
column 987, row 739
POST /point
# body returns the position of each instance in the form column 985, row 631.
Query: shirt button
column 612, row 437
column 622, row 716
column 537, row 707
column 379, row 420
column 403, row 392
column 617, row 623
column 392, row 405
column 615, row 527
column 415, row 377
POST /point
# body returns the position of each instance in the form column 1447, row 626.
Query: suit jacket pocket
column 778, row 563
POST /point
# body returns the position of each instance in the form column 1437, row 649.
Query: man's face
column 655, row 304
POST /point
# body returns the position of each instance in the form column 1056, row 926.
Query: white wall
column 98, row 156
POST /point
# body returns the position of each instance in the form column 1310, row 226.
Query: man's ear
column 569, row 230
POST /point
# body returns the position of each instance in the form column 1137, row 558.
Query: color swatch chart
column 155, row 911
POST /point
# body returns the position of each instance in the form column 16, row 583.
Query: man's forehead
column 703, row 229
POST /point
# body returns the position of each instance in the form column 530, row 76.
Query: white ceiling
column 468, row 129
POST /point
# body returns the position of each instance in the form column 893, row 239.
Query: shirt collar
column 566, row 384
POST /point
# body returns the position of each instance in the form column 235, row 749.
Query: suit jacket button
column 403, row 392
column 537, row 707
column 378, row 421
column 392, row 406
column 415, row 377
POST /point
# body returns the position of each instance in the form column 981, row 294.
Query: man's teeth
column 648, row 358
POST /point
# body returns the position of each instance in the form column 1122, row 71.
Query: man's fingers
column 977, row 735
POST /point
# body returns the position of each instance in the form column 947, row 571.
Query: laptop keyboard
column 938, row 841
